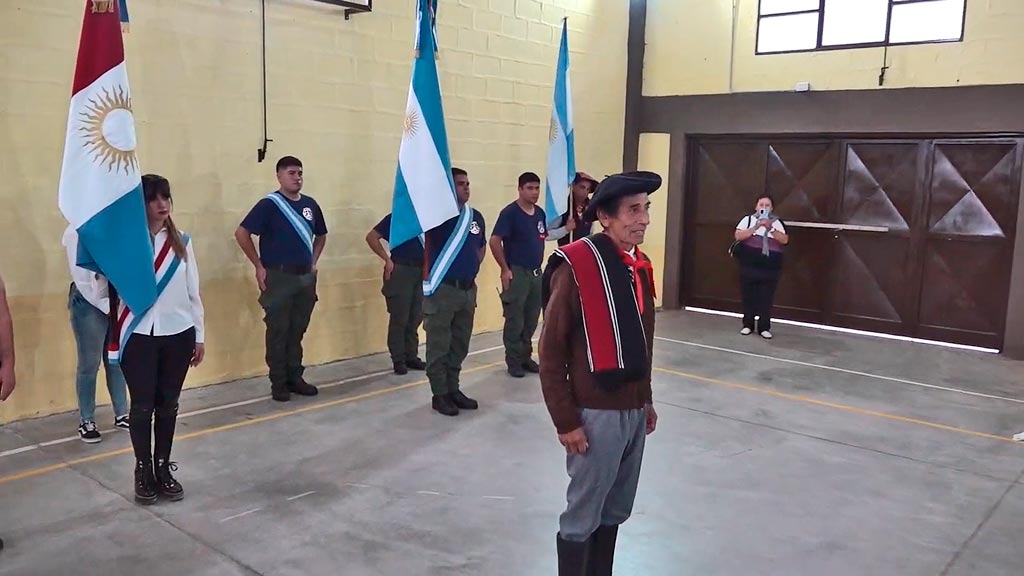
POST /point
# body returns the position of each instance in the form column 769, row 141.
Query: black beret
column 618, row 186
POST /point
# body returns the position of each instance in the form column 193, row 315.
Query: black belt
column 404, row 262
column 296, row 269
column 535, row 271
column 460, row 284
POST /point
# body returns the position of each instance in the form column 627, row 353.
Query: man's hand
column 575, row 442
column 261, row 278
column 652, row 418
column 506, row 280
column 6, row 380
column 389, row 267
column 198, row 354
column 570, row 224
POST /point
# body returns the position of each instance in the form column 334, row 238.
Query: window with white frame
column 808, row 25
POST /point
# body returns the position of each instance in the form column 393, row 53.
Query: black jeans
column 154, row 368
column 758, row 287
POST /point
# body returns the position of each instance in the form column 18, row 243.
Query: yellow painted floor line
column 241, row 424
column 833, row 405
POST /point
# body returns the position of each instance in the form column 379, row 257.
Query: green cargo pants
column 448, row 320
column 403, row 293
column 288, row 305
column 521, row 305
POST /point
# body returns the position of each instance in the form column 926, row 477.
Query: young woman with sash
column 156, row 350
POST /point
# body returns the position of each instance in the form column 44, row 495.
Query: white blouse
column 179, row 306
column 91, row 285
column 749, row 221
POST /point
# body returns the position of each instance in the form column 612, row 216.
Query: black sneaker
column 302, row 388
column 416, row 364
column 145, row 483
column 401, row 368
column 462, row 401
column 88, row 432
column 531, row 366
column 515, row 370
column 280, row 393
column 121, row 422
column 166, row 485
column 443, row 404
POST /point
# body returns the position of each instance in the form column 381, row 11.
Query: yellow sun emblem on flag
column 108, row 128
column 553, row 130
column 411, row 124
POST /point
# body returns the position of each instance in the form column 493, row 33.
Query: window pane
column 781, row 6
column 924, row 21
column 786, row 33
column 854, row 21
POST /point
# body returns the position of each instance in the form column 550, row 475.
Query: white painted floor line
column 359, row 485
column 879, row 335
column 246, row 513
column 842, row 370
column 221, row 407
column 428, row 493
column 498, row 498
column 303, row 495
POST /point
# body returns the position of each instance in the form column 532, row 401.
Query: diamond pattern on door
column 801, row 178
column 728, row 179
column 880, row 185
column 960, row 279
column 873, row 271
column 969, row 189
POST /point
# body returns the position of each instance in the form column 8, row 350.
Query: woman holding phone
column 761, row 238
column 157, row 349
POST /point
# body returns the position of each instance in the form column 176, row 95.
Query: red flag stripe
column 101, row 47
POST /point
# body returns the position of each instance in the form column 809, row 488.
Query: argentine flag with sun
column 100, row 183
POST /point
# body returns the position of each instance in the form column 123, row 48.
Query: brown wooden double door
column 917, row 235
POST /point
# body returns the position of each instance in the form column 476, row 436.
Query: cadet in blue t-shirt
column 403, row 292
column 292, row 235
column 517, row 244
column 448, row 312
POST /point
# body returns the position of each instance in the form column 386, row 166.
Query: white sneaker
column 1019, row 437
column 766, row 335
column 746, row 331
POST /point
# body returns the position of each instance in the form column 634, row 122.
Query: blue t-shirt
column 467, row 262
column 411, row 251
column 522, row 235
column 280, row 244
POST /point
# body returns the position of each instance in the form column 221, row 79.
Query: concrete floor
column 816, row 454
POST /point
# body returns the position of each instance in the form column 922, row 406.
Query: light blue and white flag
column 100, row 183
column 424, row 195
column 562, row 153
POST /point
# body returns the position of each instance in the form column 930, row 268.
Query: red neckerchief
column 636, row 265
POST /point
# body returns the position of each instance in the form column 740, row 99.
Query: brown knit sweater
column 565, row 375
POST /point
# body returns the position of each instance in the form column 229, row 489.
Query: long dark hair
column 154, row 185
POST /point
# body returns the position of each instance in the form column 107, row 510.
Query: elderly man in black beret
column 595, row 369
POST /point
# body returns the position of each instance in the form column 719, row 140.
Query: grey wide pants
column 603, row 481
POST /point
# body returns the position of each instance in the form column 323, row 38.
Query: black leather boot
column 145, row 483
column 602, row 550
column 443, row 404
column 166, row 485
column 572, row 557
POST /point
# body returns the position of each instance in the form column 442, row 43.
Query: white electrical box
column 803, row 87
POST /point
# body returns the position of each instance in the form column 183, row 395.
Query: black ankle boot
column 166, row 484
column 145, row 483
column 602, row 550
column 572, row 557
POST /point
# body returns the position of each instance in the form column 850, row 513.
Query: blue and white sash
column 452, row 247
column 303, row 228
column 165, row 265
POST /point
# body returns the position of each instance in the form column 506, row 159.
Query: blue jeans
column 92, row 329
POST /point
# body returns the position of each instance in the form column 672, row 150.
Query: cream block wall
column 337, row 94
column 654, row 156
column 697, row 47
